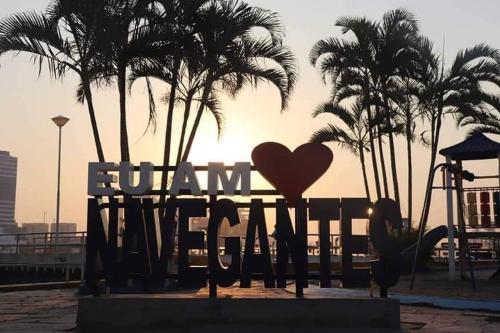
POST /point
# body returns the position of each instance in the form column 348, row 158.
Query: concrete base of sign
column 267, row 311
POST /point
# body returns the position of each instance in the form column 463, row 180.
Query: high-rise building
column 8, row 177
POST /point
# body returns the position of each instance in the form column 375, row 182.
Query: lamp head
column 60, row 121
column 457, row 170
column 468, row 176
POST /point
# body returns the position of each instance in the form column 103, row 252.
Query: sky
column 28, row 102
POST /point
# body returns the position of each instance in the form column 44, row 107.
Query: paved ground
column 55, row 311
column 38, row 311
column 435, row 283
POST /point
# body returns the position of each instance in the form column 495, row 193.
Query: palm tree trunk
column 363, row 168
column 392, row 151
column 373, row 153
column 410, row 172
column 124, row 148
column 90, row 105
column 187, row 110
column 204, row 98
column 434, row 148
column 382, row 161
column 435, row 144
column 435, row 128
column 168, row 135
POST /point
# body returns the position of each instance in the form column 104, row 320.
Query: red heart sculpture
column 292, row 173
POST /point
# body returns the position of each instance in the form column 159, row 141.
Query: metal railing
column 39, row 250
column 312, row 248
column 42, row 242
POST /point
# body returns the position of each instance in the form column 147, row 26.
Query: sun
column 228, row 150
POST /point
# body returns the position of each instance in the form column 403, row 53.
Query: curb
column 39, row 286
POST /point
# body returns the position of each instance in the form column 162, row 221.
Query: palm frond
column 335, row 134
column 484, row 129
column 479, row 51
column 341, row 112
column 80, row 93
column 399, row 19
column 152, row 120
column 214, row 106
column 34, row 34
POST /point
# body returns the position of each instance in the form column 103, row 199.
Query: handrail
column 45, row 233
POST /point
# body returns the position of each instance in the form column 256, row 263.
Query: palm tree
column 183, row 37
column 355, row 137
column 176, row 22
column 408, row 110
column 62, row 40
column 232, row 56
column 379, row 123
column 129, row 36
column 395, row 56
column 213, row 51
column 213, row 105
column 458, row 91
column 349, row 65
column 187, row 94
column 376, row 54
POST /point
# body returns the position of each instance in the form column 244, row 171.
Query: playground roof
column 476, row 147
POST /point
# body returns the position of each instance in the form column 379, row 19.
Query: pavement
column 55, row 311
column 38, row 311
column 39, row 286
column 451, row 303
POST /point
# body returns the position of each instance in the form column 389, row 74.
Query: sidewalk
column 415, row 300
column 55, row 311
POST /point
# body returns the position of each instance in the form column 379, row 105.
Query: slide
column 427, row 243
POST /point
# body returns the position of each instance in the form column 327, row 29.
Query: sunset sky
column 28, row 103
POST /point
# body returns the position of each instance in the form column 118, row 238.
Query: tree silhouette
column 60, row 40
column 354, row 137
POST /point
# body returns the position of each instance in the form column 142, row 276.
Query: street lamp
column 60, row 121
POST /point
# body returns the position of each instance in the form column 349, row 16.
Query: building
column 37, row 227
column 8, row 178
column 240, row 230
column 64, row 227
column 198, row 224
column 34, row 233
column 67, row 232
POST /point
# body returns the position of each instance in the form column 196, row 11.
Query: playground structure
column 470, row 224
column 474, row 215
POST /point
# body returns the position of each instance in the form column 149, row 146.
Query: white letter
column 146, row 176
column 241, row 171
column 98, row 176
column 179, row 183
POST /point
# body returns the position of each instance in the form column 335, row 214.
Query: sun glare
column 229, row 150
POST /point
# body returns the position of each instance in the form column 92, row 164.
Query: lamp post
column 60, row 121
